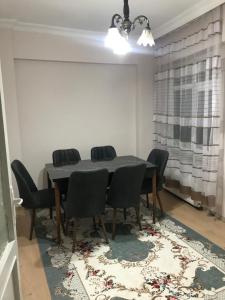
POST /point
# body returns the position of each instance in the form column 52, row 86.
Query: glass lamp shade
column 146, row 38
column 116, row 42
column 112, row 37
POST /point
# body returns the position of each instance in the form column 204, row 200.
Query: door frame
column 9, row 266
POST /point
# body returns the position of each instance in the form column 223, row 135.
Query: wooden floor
column 33, row 279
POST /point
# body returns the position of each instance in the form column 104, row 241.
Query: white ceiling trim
column 7, row 23
column 188, row 15
column 41, row 28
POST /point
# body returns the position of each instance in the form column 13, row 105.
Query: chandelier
column 117, row 37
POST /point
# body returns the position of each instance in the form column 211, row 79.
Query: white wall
column 89, row 48
column 9, row 87
column 145, row 107
column 74, row 105
column 9, row 90
column 30, row 49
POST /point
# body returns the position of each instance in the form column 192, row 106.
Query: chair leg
column 137, row 209
column 67, row 227
column 94, row 224
column 74, row 236
column 114, row 224
column 160, row 203
column 50, row 212
column 147, row 199
column 32, row 223
column 103, row 229
column 63, row 227
column 125, row 214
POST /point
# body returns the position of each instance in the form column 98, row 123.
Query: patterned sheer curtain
column 188, row 111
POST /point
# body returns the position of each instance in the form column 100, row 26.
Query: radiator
column 183, row 196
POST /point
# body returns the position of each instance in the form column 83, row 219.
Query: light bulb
column 116, row 42
column 112, row 37
column 146, row 38
column 122, row 47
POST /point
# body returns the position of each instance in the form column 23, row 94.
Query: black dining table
column 57, row 174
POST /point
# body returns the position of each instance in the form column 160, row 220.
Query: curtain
column 188, row 110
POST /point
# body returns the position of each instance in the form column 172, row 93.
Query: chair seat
column 85, row 214
column 43, row 198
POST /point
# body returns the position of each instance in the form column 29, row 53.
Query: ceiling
column 90, row 14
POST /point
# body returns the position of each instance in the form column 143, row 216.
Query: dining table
column 58, row 173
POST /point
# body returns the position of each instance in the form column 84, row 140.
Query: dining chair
column 32, row 197
column 103, row 153
column 65, row 157
column 125, row 190
column 86, row 198
column 159, row 158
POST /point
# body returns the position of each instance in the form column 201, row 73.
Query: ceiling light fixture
column 117, row 37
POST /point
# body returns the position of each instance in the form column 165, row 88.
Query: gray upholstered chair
column 86, row 197
column 103, row 153
column 125, row 190
column 159, row 158
column 65, row 157
column 32, row 197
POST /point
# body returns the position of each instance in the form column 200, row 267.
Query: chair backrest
column 65, row 157
column 126, row 186
column 86, row 194
column 25, row 183
column 159, row 158
column 103, row 153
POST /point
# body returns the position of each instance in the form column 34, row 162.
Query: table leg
column 49, row 182
column 154, row 195
column 58, row 212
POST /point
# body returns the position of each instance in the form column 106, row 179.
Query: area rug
column 165, row 261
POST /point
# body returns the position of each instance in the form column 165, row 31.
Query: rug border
column 45, row 243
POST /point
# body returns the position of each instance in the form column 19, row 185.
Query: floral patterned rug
column 165, row 261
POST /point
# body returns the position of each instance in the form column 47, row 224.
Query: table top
column 63, row 172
